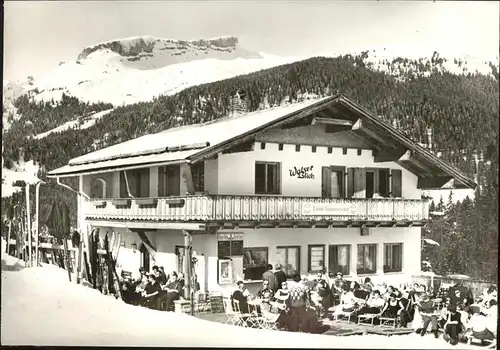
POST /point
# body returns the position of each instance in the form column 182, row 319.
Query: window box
column 100, row 204
column 175, row 202
column 120, row 202
column 146, row 202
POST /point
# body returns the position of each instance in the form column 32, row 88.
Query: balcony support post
column 188, row 244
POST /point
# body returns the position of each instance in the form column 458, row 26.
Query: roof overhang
column 87, row 169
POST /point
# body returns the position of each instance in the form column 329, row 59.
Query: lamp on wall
column 134, row 247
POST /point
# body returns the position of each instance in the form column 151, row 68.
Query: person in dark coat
column 171, row 292
column 150, row 293
column 241, row 294
column 270, row 277
column 280, row 275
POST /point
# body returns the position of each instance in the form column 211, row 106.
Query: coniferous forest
column 461, row 109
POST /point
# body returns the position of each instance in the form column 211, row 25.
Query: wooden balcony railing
column 256, row 208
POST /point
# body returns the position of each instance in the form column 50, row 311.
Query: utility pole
column 28, row 215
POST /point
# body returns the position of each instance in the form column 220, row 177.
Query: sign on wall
column 229, row 244
column 302, row 172
column 329, row 209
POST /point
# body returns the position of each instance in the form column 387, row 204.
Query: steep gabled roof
column 197, row 142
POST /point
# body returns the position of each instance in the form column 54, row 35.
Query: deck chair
column 269, row 320
column 388, row 322
column 367, row 318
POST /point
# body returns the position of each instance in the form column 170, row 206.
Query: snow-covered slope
column 41, row 307
column 137, row 69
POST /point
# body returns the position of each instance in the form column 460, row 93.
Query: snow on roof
column 213, row 133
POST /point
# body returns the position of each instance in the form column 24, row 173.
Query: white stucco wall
column 271, row 238
column 236, row 171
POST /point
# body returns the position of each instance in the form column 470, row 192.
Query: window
column 339, row 258
column 267, row 178
column 316, row 256
column 313, row 149
column 138, row 183
column 289, row 258
column 297, row 148
column 393, row 257
column 254, row 262
column 333, row 182
column 377, row 182
column 367, row 256
column 169, row 181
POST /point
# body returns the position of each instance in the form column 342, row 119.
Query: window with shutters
column 367, row 258
column 393, row 257
column 333, row 182
column 267, row 178
column 396, row 183
column 377, row 183
column 339, row 257
column 289, row 258
column 138, row 183
column 316, row 256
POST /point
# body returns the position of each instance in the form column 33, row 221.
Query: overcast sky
column 38, row 35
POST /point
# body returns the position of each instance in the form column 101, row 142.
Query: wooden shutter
column 144, row 183
column 161, row 181
column 123, row 186
column 326, row 185
column 350, row 182
column 396, row 183
column 358, row 183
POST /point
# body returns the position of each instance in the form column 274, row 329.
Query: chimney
column 429, row 138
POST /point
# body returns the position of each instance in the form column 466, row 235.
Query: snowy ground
column 40, row 307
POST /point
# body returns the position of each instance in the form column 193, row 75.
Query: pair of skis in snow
column 101, row 263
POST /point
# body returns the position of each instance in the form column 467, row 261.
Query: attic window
column 344, row 150
column 262, row 145
column 330, row 149
column 280, row 147
column 297, row 148
column 359, row 152
column 313, row 149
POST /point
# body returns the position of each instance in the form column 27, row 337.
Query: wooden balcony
column 259, row 209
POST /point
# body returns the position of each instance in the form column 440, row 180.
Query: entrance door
column 144, row 257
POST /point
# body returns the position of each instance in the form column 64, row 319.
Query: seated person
column 242, row 295
column 150, row 293
column 181, row 279
column 265, row 293
column 453, row 326
column 348, row 302
column 359, row 293
column 478, row 327
column 374, row 305
column 162, row 276
column 368, row 285
column 282, row 296
column 388, row 292
column 171, row 292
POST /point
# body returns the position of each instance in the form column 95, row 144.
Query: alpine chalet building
column 320, row 184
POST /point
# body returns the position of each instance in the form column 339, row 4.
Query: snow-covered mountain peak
column 149, row 52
